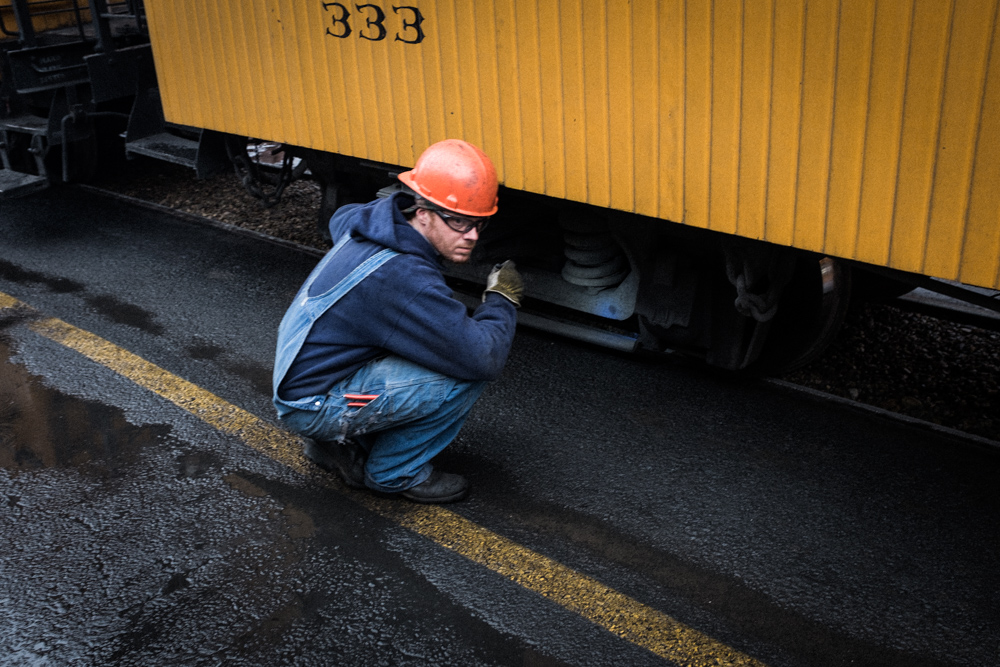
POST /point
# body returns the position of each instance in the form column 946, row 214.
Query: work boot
column 346, row 459
column 440, row 487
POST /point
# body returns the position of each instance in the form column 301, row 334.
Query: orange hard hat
column 457, row 176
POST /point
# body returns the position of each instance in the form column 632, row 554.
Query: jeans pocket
column 374, row 416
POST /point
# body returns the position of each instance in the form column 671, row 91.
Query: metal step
column 18, row 184
column 25, row 124
column 167, row 147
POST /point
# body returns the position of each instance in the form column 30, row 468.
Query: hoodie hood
column 382, row 222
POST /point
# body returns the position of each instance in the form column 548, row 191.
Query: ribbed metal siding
column 857, row 128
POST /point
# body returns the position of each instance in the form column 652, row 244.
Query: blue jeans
column 417, row 413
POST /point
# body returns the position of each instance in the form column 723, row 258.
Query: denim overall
column 400, row 412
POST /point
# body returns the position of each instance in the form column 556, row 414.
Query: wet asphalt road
column 792, row 531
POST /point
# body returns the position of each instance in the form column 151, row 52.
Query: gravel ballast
column 904, row 362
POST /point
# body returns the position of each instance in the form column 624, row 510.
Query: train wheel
column 810, row 315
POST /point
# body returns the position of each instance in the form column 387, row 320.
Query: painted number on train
column 408, row 19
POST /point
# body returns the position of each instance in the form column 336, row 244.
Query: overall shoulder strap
column 363, row 270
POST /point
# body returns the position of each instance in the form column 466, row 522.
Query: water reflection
column 42, row 428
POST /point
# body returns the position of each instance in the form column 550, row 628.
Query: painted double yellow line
column 617, row 613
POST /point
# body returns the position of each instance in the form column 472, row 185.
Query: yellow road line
column 617, row 613
column 7, row 301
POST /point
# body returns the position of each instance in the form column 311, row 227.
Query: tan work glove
column 505, row 281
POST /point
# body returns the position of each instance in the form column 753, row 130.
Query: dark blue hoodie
column 403, row 308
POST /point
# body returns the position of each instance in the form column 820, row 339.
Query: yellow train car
column 858, row 129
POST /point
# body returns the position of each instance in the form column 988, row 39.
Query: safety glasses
column 461, row 224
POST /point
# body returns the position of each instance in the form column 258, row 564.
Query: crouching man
column 377, row 364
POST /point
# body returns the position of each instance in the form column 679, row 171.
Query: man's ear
column 421, row 219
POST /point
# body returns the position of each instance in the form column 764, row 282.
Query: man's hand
column 505, row 281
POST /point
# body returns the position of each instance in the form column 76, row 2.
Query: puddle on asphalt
column 43, row 428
